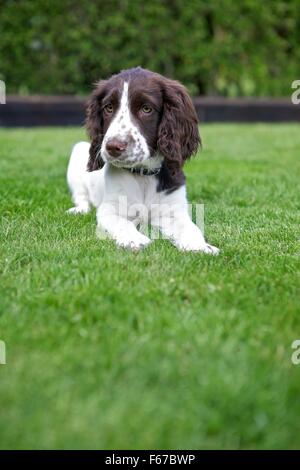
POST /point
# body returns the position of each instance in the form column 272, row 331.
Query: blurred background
column 223, row 51
column 216, row 47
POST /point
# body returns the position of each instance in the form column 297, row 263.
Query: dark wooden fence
column 69, row 110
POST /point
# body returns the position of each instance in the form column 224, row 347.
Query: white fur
column 115, row 192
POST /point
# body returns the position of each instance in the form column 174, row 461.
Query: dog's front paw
column 196, row 246
column 138, row 242
column 210, row 250
column 83, row 209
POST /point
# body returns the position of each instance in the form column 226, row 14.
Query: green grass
column 159, row 349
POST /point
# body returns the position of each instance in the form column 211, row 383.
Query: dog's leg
column 177, row 226
column 119, row 228
column 76, row 178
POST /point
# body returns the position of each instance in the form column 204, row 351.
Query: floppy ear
column 94, row 125
column 178, row 135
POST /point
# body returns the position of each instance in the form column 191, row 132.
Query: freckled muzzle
column 123, row 140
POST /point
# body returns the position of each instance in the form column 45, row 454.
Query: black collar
column 144, row 171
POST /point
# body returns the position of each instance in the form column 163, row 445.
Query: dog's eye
column 108, row 108
column 146, row 109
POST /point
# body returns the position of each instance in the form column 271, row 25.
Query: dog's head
column 138, row 116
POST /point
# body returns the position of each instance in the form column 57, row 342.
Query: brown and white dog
column 143, row 127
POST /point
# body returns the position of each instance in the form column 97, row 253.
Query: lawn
column 159, row 349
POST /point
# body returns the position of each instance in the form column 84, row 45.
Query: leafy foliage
column 217, row 47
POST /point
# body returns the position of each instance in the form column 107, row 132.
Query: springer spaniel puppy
column 143, row 127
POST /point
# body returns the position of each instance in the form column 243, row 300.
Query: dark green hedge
column 225, row 47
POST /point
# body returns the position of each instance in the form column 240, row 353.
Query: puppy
column 143, row 127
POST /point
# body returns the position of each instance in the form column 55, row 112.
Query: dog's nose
column 115, row 147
